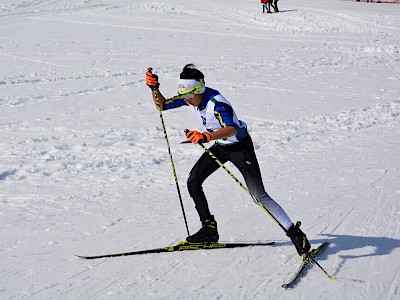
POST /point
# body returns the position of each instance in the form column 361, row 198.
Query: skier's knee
column 193, row 183
column 264, row 199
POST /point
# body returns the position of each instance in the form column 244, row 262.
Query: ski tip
column 333, row 277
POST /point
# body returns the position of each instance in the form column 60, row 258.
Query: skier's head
column 190, row 72
column 191, row 82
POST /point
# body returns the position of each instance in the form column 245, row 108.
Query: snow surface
column 84, row 167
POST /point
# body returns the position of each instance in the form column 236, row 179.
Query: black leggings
column 242, row 155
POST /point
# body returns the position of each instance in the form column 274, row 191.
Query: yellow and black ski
column 182, row 246
column 307, row 259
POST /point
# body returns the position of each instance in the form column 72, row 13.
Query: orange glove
column 197, row 137
column 152, row 79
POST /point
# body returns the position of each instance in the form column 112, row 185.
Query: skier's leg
column 269, row 5
column 276, row 6
column 246, row 162
column 203, row 168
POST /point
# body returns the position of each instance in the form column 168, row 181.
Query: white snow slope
column 84, row 167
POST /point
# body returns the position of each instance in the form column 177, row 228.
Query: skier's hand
column 152, row 79
column 197, row 137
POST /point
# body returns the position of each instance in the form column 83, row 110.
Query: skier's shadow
column 374, row 246
column 381, row 245
column 287, row 10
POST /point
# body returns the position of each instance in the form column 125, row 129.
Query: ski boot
column 299, row 239
column 208, row 233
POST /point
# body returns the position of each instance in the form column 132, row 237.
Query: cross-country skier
column 232, row 143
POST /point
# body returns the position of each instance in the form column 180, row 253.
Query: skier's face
column 195, row 100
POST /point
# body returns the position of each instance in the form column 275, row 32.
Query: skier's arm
column 153, row 84
column 196, row 136
column 161, row 99
column 224, row 114
column 158, row 98
column 223, row 133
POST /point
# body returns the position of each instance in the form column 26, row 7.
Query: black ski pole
column 170, row 156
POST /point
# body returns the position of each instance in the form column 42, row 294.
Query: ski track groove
column 125, row 279
column 158, row 277
column 127, row 275
column 84, row 76
column 79, row 274
column 364, row 23
column 149, row 28
column 243, row 288
column 24, row 11
column 393, row 286
column 393, row 69
column 381, row 203
column 344, row 216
